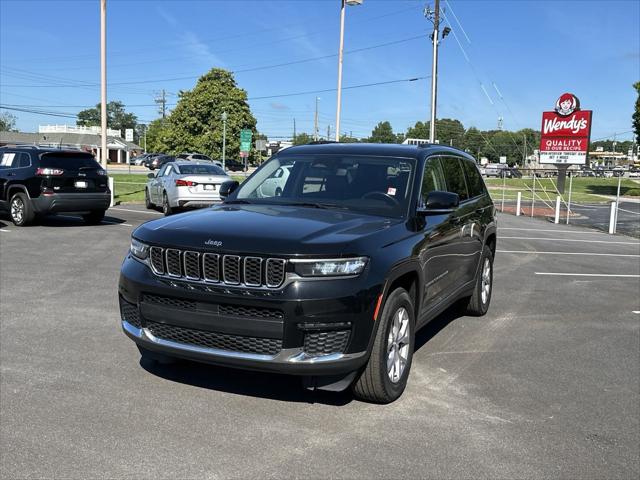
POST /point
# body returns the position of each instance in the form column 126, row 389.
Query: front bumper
column 72, row 202
column 310, row 309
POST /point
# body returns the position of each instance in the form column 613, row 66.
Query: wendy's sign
column 565, row 132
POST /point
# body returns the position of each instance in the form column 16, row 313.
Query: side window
column 8, row 160
column 432, row 179
column 162, row 170
column 475, row 183
column 23, row 160
column 454, row 176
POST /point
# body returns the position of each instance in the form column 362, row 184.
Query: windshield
column 201, row 170
column 372, row 185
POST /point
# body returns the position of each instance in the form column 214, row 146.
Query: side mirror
column 151, row 175
column 227, row 188
column 439, row 203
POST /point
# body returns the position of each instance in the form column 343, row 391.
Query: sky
column 508, row 59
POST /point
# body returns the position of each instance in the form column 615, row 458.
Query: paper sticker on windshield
column 391, row 191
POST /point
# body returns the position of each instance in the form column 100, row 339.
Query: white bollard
column 518, row 204
column 612, row 218
column 111, row 188
column 557, row 219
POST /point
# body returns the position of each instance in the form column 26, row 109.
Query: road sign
column 261, row 145
column 245, row 140
column 244, row 154
column 128, row 134
column 503, row 159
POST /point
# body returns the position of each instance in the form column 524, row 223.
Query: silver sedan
column 184, row 184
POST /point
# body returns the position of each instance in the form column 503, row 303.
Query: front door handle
column 11, row 174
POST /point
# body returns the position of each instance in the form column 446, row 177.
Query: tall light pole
column 315, row 122
column 344, row 3
column 434, row 16
column 103, row 81
column 224, row 138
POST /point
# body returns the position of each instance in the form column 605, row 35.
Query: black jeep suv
column 39, row 181
column 329, row 278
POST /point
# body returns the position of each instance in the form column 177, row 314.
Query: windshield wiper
column 315, row 205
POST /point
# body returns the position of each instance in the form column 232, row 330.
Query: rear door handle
column 11, row 174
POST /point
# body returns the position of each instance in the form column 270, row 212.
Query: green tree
column 383, row 133
column 156, row 132
column 117, row 118
column 195, row 124
column 448, row 131
column 419, row 130
column 7, row 122
column 348, row 139
column 636, row 113
column 302, row 139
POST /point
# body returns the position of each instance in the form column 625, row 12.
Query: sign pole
column 569, row 202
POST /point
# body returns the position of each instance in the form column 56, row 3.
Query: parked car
column 329, row 280
column 150, row 158
column 40, row 181
column 159, row 160
column 193, row 156
column 618, row 172
column 274, row 185
column 234, row 166
column 184, row 184
column 634, row 171
column 139, row 160
column 496, row 170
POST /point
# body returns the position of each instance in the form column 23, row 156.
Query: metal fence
column 608, row 200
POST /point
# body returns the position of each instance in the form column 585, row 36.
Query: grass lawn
column 129, row 188
column 584, row 189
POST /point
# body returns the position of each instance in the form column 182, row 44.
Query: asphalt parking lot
column 546, row 385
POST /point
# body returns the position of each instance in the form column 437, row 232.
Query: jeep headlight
column 333, row 267
column 139, row 250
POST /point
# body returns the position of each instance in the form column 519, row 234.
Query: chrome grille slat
column 275, row 272
column 253, row 271
column 231, row 269
column 157, row 260
column 211, row 267
column 236, row 270
column 174, row 262
column 191, row 265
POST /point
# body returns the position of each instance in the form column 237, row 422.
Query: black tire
column 155, row 357
column 147, row 200
column 20, row 210
column 478, row 303
column 166, row 208
column 374, row 384
column 94, row 217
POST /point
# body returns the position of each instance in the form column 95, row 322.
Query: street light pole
column 103, row 81
column 344, row 3
column 224, row 138
column 315, row 122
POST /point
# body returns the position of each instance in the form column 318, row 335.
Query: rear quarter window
column 475, row 183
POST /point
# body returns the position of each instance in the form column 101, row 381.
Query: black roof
column 40, row 149
column 377, row 149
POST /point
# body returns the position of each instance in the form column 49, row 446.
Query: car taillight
column 49, row 171
column 185, row 183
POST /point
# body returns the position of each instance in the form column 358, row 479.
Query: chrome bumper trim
column 286, row 355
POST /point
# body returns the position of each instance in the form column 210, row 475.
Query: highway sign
column 245, row 140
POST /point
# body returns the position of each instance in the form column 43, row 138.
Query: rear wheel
column 94, row 217
column 166, row 208
column 481, row 298
column 385, row 376
column 20, row 210
column 147, row 200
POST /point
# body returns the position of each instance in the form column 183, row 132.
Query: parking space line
column 557, row 274
column 636, row 312
column 136, row 211
column 537, row 252
column 117, row 223
column 551, row 230
column 569, row 240
column 3, row 230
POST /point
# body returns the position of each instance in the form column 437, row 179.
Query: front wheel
column 481, row 298
column 385, row 376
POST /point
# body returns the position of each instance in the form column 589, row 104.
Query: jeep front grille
column 213, row 268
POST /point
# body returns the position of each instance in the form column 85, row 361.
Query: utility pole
column 294, row 131
column 524, row 151
column 103, row 82
column 224, row 138
column 434, row 16
column 315, row 122
column 162, row 101
column 329, row 132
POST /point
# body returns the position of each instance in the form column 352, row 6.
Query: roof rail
column 321, row 142
column 19, row 145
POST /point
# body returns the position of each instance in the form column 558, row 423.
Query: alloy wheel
column 486, row 281
column 398, row 345
column 17, row 210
